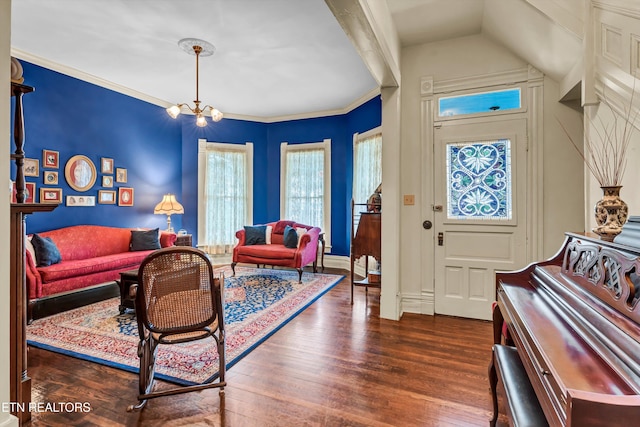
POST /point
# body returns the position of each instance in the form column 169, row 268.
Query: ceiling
column 274, row 58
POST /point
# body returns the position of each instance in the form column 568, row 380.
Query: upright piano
column 574, row 321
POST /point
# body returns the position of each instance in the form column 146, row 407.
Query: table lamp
column 168, row 206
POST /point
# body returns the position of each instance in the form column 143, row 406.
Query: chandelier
column 198, row 48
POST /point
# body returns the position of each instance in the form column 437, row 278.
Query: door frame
column 532, row 81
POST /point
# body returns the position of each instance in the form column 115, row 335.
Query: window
column 367, row 164
column 479, row 180
column 305, row 182
column 484, row 102
column 225, row 192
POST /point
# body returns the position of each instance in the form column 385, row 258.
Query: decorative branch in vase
column 605, row 157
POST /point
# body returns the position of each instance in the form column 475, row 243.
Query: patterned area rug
column 258, row 302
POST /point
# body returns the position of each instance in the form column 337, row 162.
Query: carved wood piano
column 575, row 323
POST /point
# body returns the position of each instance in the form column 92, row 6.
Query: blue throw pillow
column 146, row 240
column 290, row 237
column 47, row 252
column 255, row 235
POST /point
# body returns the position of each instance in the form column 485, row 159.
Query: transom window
column 479, row 180
column 483, row 102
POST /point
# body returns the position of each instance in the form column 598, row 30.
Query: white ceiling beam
column 567, row 19
column 370, row 38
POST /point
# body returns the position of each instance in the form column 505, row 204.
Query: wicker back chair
column 177, row 300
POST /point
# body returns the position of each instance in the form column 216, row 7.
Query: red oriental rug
column 258, row 302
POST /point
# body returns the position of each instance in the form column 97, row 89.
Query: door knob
column 427, row 225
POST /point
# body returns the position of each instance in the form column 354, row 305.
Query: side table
column 184, row 240
column 127, row 278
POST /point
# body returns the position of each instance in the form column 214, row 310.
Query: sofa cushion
column 267, row 251
column 290, row 238
column 67, row 269
column 255, row 235
column 46, row 251
column 145, row 240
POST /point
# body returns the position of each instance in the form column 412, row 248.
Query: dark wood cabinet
column 365, row 241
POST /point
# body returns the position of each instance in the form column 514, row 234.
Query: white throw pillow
column 29, row 247
column 268, row 234
column 300, row 231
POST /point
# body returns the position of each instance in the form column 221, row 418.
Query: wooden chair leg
column 299, row 275
column 233, row 267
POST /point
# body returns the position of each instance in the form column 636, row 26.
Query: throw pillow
column 300, row 232
column 255, row 235
column 145, row 240
column 268, row 234
column 46, row 251
column 290, row 237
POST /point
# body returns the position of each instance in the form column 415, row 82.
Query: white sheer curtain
column 304, row 186
column 225, row 198
column 367, row 166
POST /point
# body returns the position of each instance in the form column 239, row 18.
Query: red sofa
column 277, row 253
column 91, row 255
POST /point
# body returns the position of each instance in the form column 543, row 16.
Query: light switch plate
column 409, row 199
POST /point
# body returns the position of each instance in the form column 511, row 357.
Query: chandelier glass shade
column 198, row 48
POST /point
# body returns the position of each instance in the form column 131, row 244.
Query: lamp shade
column 168, row 206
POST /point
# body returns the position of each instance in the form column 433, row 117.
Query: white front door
column 480, row 201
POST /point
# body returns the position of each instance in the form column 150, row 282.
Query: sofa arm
column 34, row 280
column 240, row 236
column 307, row 251
column 167, row 239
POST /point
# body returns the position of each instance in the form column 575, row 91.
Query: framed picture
column 107, row 197
column 125, row 196
column 51, row 195
column 121, row 175
column 107, row 181
column 80, row 173
column 106, row 165
column 81, row 200
column 50, row 159
column 31, row 167
column 29, row 189
column 50, row 177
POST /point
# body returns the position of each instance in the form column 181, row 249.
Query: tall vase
column 611, row 213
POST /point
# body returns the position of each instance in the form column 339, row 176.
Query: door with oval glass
column 480, row 184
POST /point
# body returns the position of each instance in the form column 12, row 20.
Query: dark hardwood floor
column 333, row 365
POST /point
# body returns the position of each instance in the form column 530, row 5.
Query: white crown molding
column 89, row 78
column 480, row 81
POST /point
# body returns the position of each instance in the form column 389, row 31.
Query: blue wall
column 75, row 117
column 160, row 154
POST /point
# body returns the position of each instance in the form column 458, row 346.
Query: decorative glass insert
column 485, row 102
column 479, row 180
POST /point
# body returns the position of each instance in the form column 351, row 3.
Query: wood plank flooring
column 333, row 365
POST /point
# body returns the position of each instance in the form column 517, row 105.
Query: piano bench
column 523, row 408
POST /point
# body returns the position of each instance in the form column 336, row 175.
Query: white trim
column 203, row 146
column 90, row 78
column 475, row 83
column 357, row 137
column 622, row 7
column 325, row 145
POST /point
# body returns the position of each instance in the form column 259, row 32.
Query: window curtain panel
column 304, row 186
column 225, row 199
column 367, row 171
